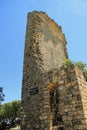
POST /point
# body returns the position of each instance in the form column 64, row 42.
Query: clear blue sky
column 70, row 14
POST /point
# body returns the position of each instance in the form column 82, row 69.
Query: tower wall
column 53, row 97
column 45, row 50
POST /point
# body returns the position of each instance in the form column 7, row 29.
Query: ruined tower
column 44, row 52
column 53, row 97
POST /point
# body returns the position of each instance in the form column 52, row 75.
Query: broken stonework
column 53, row 97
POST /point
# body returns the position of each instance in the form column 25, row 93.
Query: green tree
column 10, row 112
column 1, row 113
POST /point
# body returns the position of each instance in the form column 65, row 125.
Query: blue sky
column 70, row 14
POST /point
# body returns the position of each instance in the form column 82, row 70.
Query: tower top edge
column 42, row 13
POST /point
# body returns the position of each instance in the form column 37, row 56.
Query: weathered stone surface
column 53, row 97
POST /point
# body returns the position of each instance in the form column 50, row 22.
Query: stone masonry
column 69, row 100
column 53, row 97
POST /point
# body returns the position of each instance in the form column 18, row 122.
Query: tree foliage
column 82, row 66
column 67, row 63
column 10, row 112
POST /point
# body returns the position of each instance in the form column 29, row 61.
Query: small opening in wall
column 29, row 55
column 51, row 99
column 35, row 84
column 57, row 97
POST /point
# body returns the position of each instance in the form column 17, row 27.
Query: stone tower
column 45, row 50
column 53, row 97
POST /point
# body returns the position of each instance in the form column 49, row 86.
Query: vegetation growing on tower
column 81, row 65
